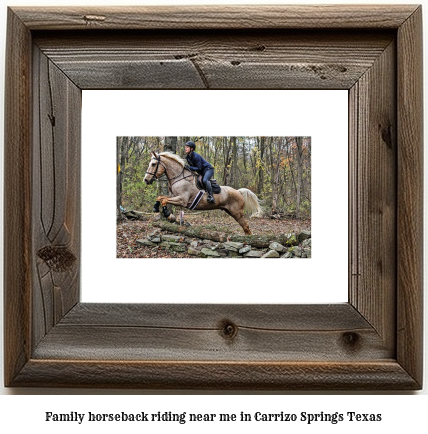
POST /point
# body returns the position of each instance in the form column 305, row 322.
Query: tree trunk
column 118, row 180
column 273, row 178
column 227, row 160
column 244, row 155
column 216, row 147
column 234, row 168
column 260, row 167
column 169, row 146
column 121, row 155
column 259, row 241
column 299, row 141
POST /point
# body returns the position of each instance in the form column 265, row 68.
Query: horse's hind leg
column 240, row 219
column 244, row 225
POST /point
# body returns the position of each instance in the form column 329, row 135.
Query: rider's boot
column 156, row 206
column 210, row 198
column 165, row 211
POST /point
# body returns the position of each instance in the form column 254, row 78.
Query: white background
column 401, row 413
column 322, row 115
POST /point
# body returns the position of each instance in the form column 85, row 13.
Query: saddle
column 216, row 188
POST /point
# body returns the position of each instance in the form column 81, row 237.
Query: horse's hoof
column 156, row 206
column 165, row 212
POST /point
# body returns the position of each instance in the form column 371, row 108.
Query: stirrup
column 210, row 199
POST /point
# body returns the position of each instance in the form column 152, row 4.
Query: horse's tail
column 251, row 202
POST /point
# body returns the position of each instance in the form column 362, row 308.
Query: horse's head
column 155, row 170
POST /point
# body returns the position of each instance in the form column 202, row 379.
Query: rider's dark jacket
column 197, row 163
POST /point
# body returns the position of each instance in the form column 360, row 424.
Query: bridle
column 158, row 159
column 156, row 169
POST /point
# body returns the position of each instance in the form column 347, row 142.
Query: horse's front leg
column 157, row 203
column 176, row 200
column 160, row 198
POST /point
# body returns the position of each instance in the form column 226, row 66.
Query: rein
column 184, row 177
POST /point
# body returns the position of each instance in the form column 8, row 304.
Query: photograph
column 213, row 197
column 221, row 105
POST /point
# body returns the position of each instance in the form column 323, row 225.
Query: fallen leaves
column 128, row 232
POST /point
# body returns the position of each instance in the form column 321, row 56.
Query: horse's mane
column 174, row 157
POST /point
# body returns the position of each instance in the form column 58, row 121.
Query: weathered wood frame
column 372, row 342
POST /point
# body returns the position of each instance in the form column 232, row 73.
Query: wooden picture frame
column 372, row 342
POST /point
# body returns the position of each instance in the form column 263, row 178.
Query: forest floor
column 128, row 232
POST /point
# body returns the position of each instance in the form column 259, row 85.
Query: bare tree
column 226, row 159
column 299, row 159
column 234, row 161
column 260, row 176
column 122, row 145
column 277, row 169
column 170, row 145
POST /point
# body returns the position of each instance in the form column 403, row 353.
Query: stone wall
column 229, row 249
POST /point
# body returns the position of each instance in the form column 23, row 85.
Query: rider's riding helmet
column 190, row 145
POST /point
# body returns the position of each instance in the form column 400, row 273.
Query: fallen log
column 134, row 215
column 259, row 241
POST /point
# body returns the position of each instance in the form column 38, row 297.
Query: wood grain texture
column 199, row 332
column 216, row 60
column 342, row 317
column 17, row 198
column 410, row 196
column 372, row 342
column 55, row 194
column 385, row 375
column 216, row 17
column 373, row 163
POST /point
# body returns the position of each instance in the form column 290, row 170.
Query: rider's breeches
column 206, row 180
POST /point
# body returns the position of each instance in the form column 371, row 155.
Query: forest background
column 276, row 169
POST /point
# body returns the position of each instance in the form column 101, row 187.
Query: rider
column 200, row 166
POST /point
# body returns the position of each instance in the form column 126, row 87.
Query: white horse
column 185, row 193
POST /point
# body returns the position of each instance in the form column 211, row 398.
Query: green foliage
column 134, row 188
column 305, row 208
column 269, row 166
